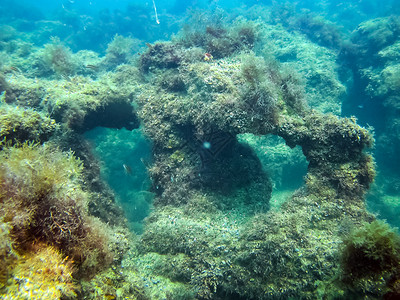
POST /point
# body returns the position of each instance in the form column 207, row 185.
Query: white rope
column 155, row 10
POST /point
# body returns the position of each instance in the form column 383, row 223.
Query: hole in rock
column 285, row 166
column 123, row 155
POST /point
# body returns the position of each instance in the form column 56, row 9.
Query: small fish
column 65, row 77
column 15, row 69
column 127, row 169
column 92, row 67
column 110, row 297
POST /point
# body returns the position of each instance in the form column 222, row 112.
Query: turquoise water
column 199, row 149
column 124, row 155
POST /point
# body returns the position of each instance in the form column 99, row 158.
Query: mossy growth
column 42, row 200
column 315, row 27
column 20, row 124
column 206, row 43
column 315, row 132
column 370, row 250
column 8, row 256
column 221, row 40
column 59, row 58
column 168, row 278
column 121, row 281
column 373, row 35
column 167, row 55
column 79, row 103
column 320, row 30
column 371, row 259
column 192, row 248
column 120, row 50
column 364, row 54
column 315, row 65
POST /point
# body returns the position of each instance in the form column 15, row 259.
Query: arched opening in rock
column 285, row 166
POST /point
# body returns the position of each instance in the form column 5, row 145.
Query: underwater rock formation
column 203, row 222
column 19, row 125
column 79, row 103
column 212, row 233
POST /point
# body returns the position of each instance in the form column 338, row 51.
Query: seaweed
column 371, row 253
column 42, row 200
column 59, row 58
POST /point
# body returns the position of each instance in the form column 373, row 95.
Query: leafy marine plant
column 42, row 200
column 371, row 254
column 120, row 50
column 373, row 248
column 59, row 58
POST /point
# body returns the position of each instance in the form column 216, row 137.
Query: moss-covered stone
column 200, row 169
column 19, row 124
column 79, row 103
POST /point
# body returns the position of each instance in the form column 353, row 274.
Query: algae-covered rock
column 373, row 60
column 43, row 272
column 19, row 124
column 200, row 169
column 42, row 199
column 78, row 103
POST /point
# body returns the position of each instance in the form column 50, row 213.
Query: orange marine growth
column 42, row 274
column 208, row 56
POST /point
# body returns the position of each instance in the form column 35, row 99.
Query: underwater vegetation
column 42, row 201
column 314, row 26
column 49, row 239
column 21, row 124
column 85, row 105
column 45, row 212
column 120, row 50
column 42, row 274
column 195, row 134
column 372, row 252
column 59, row 58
